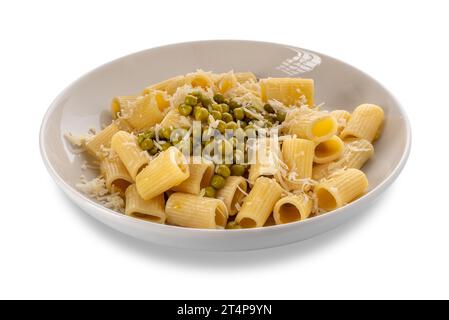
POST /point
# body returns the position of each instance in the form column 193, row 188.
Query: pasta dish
column 228, row 151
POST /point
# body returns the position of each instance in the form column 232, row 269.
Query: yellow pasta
column 298, row 155
column 143, row 113
column 132, row 156
column 199, row 178
column 167, row 170
column 342, row 117
column 266, row 160
column 243, row 77
column 121, row 103
column 115, row 174
column 193, row 211
column 170, row 85
column 150, row 210
column 329, row 150
column 232, row 193
column 173, row 119
column 365, row 122
column 259, row 203
column 356, row 153
column 289, row 91
column 200, row 79
column 340, row 188
column 292, row 208
column 227, row 81
column 98, row 146
column 310, row 124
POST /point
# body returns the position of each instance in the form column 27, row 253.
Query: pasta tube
column 170, row 85
column 292, row 208
column 329, row 150
column 310, row 124
column 200, row 79
column 132, row 156
column 193, row 211
column 243, row 77
column 232, row 193
column 149, row 210
column 365, row 122
column 98, row 146
column 115, row 174
column 121, row 103
column 143, row 113
column 342, row 117
column 298, row 156
column 259, row 204
column 167, row 170
column 266, row 160
column 340, row 188
column 289, row 91
column 200, row 177
column 227, row 81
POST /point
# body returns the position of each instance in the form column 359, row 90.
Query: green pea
column 196, row 94
column 191, row 100
column 216, row 107
column 223, row 171
column 165, row 146
column 231, row 125
column 219, row 98
column 217, row 182
column 232, row 104
column 268, row 108
column 185, row 109
column 210, row 192
column 153, row 150
column 147, row 144
column 239, row 114
column 237, row 170
column 216, row 115
column 150, row 134
column 140, row 138
column 224, row 107
column 165, row 133
column 280, row 116
column 227, row 117
column 201, row 114
column 221, row 126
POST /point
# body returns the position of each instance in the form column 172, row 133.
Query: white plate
column 85, row 104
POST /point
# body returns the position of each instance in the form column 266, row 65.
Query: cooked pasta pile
column 230, row 151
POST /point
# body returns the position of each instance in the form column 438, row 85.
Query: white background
column 50, row 249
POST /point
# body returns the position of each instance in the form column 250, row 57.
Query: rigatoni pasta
column 229, row 151
column 150, row 210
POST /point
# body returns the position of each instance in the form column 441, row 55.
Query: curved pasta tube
column 226, row 82
column 200, row 79
column 232, row 193
column 342, row 117
column 292, row 208
column 266, row 160
column 167, row 170
column 243, row 77
column 298, row 155
column 170, row 85
column 115, row 174
column 310, row 124
column 340, row 189
column 98, row 145
column 121, row 103
column 259, row 203
column 143, row 113
column 149, row 210
column 329, row 150
column 356, row 153
column 289, row 91
column 365, row 122
column 132, row 156
column 193, row 211
column 200, row 177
